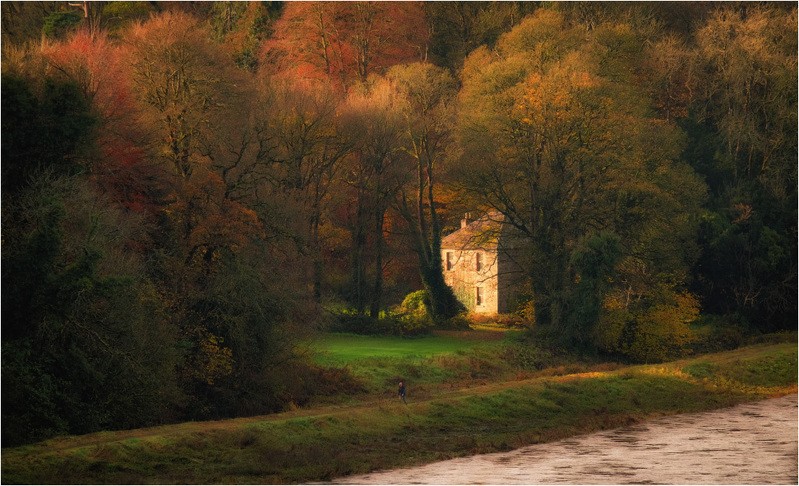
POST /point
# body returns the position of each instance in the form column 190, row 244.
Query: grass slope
column 319, row 444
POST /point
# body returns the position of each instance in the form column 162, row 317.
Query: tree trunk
column 358, row 292
column 443, row 303
column 316, row 251
column 377, row 290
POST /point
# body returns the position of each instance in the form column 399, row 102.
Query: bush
column 655, row 333
column 720, row 333
column 307, row 382
column 416, row 304
column 387, row 324
column 460, row 322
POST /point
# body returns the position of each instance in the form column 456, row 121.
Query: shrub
column 515, row 321
column 416, row 304
column 414, row 314
column 309, row 381
column 387, row 324
column 655, row 333
column 720, row 333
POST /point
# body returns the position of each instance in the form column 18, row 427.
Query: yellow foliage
column 654, row 334
column 214, row 360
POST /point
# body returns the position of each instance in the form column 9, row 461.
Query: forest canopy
column 189, row 189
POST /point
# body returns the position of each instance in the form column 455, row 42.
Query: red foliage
column 98, row 68
column 345, row 41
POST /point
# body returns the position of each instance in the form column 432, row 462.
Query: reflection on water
column 754, row 443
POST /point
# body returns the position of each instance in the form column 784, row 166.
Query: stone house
column 481, row 264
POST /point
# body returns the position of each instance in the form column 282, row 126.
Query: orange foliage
column 210, row 220
column 98, row 68
column 345, row 41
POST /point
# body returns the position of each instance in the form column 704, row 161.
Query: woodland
column 190, row 189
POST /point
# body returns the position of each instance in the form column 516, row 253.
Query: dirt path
column 753, row 443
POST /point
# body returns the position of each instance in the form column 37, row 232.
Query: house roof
column 487, row 233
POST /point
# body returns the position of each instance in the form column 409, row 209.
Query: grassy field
column 318, row 444
column 347, row 349
column 447, row 359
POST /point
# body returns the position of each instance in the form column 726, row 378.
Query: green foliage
column 415, row 304
column 78, row 323
column 389, row 324
column 594, row 261
column 22, row 21
column 243, row 26
column 742, row 133
column 558, row 137
column 238, row 335
column 117, row 15
column 720, row 333
column 647, row 153
column 461, row 27
column 58, row 24
column 414, row 312
column 51, row 129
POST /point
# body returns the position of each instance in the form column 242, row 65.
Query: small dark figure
column 402, row 392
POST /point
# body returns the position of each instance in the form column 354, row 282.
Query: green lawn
column 338, row 349
column 426, row 364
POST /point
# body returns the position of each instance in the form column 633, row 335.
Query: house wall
column 461, row 273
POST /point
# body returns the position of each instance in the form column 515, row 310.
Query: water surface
column 754, row 443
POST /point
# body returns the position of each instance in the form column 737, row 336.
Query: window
column 449, row 260
column 478, row 261
column 479, row 295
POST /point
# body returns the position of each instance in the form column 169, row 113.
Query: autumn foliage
column 344, row 42
column 192, row 188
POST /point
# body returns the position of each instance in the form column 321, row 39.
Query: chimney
column 467, row 218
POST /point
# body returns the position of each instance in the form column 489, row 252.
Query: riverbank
column 324, row 443
column 751, row 443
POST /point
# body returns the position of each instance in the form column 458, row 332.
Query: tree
column 177, row 72
column 37, row 101
column 375, row 174
column 307, row 160
column 243, row 26
column 564, row 147
column 22, row 21
column 428, row 93
column 209, row 221
column 97, row 68
column 458, row 28
column 344, row 42
column 83, row 326
column 743, row 127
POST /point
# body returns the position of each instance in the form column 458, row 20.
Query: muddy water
column 754, row 443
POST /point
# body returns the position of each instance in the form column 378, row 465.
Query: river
column 753, row 443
